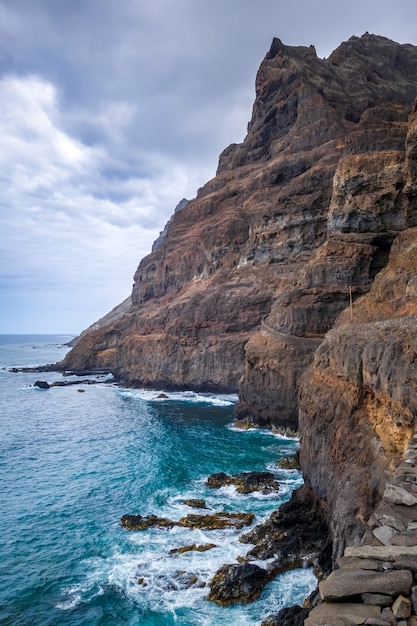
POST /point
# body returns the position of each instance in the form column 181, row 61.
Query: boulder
column 195, row 503
column 376, row 599
column 42, row 384
column 344, row 583
column 354, row 562
column 414, row 598
column 398, row 495
column 237, row 584
column 290, row 462
column 289, row 616
column 381, row 553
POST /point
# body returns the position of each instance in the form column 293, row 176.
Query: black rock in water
column 237, row 584
column 245, row 482
column 42, row 384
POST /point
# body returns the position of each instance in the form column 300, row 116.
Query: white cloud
column 60, row 227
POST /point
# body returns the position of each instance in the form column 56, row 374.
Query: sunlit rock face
column 299, row 216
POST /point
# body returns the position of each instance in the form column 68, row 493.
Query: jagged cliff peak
column 298, row 92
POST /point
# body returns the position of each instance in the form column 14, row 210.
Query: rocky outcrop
column 237, row 584
column 211, row 521
column 266, row 244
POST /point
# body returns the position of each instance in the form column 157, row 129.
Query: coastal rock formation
column 275, row 242
column 245, row 482
column 358, row 406
column 372, row 199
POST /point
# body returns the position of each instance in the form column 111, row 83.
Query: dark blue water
column 72, row 463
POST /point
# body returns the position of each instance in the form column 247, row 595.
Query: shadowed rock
column 195, row 503
column 42, row 384
column 237, row 584
column 294, row 535
column 245, row 482
column 289, row 616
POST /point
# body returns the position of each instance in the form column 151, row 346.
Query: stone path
column 376, row 582
column 295, row 340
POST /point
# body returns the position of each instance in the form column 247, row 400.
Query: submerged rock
column 237, row 584
column 193, row 547
column 245, row 482
column 195, row 503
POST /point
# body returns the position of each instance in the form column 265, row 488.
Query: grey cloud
column 111, row 112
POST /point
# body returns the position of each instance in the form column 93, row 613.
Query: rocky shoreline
column 295, row 536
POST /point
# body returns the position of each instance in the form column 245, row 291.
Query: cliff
column 266, row 246
column 292, row 277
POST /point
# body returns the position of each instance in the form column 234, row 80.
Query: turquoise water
column 71, row 464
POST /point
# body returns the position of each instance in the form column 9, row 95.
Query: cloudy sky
column 111, row 112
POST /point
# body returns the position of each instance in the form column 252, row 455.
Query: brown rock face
column 358, row 400
column 371, row 198
column 302, row 211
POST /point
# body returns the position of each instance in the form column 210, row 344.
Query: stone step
column 339, row 614
column 381, row 553
column 344, row 583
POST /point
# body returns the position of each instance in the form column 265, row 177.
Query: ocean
column 75, row 459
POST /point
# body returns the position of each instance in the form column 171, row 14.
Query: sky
column 112, row 112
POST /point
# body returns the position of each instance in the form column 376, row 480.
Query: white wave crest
column 191, row 397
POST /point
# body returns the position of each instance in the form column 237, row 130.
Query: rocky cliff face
column 358, row 400
column 368, row 200
column 299, row 214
